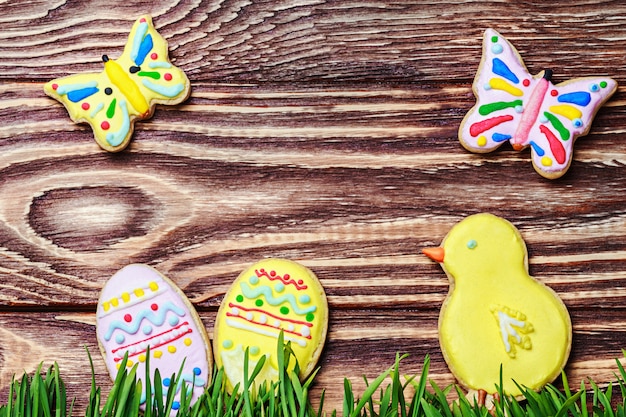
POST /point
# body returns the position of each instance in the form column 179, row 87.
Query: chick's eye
column 471, row 244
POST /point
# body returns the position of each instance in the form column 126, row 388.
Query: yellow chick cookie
column 495, row 313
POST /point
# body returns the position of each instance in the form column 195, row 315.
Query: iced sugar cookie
column 529, row 111
column 127, row 90
column 495, row 313
column 140, row 308
column 270, row 296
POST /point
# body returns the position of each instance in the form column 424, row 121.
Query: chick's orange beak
column 436, row 254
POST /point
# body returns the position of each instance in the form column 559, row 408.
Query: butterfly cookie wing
column 501, row 86
column 146, row 61
column 91, row 98
column 567, row 112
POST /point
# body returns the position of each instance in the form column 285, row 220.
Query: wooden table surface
column 323, row 131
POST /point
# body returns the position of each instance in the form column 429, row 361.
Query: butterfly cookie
column 127, row 90
column 529, row 111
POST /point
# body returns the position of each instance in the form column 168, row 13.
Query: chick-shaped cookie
column 496, row 315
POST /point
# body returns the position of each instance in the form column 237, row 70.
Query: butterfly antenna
column 547, row 74
column 105, row 58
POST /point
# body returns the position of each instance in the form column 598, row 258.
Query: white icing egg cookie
column 271, row 296
column 139, row 309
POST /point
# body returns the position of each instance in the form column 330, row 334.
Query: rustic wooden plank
column 313, row 41
column 380, row 336
column 320, row 131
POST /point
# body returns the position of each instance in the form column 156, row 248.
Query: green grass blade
column 370, row 391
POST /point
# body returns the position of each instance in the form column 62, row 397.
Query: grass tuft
column 389, row 395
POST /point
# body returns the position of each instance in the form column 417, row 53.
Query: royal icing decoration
column 495, row 313
column 529, row 111
column 271, row 296
column 140, row 310
column 127, row 89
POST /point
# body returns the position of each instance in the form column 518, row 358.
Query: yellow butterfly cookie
column 127, row 89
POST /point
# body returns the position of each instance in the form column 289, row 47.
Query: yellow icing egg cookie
column 271, row 296
column 140, row 310
column 495, row 312
column 126, row 90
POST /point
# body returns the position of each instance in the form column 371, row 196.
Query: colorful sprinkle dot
column 286, row 276
column 254, row 350
column 472, row 244
column 300, row 282
column 272, row 273
column 173, row 321
column 85, row 106
column 154, row 55
column 554, row 93
column 158, row 354
column 175, row 405
column 526, row 82
column 171, row 349
column 594, row 87
column 197, row 371
column 142, row 20
column 147, row 329
column 546, row 162
column 254, row 280
column 239, row 298
column 139, row 292
column 284, row 310
column 166, row 382
column 55, row 86
column 187, row 341
column 142, row 358
column 494, row 39
column 120, row 339
column 227, row 344
column 603, row 84
column 105, row 125
column 154, row 307
column 279, row 287
column 153, row 286
column 310, row 317
column 129, row 364
column 167, row 76
column 305, row 299
column 497, row 49
column 114, row 302
column 126, row 297
column 128, row 318
column 258, row 302
column 482, row 140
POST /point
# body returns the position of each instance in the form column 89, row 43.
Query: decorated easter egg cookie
column 142, row 311
column 529, row 111
column 127, row 90
column 270, row 296
column 495, row 313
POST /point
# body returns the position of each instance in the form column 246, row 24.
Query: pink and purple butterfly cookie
column 529, row 111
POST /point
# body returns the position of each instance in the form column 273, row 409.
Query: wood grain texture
column 320, row 131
